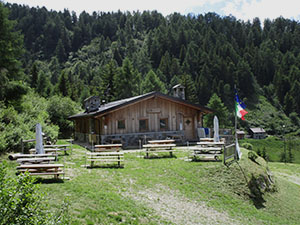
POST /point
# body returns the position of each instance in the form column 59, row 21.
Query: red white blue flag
column 240, row 107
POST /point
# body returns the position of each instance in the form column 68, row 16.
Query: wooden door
column 188, row 125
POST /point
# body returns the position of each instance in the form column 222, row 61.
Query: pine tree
column 63, row 84
column 43, row 85
column 190, row 88
column 151, row 82
column 109, row 72
column 34, row 76
column 60, row 52
column 165, row 66
column 124, row 80
column 220, row 111
column 11, row 48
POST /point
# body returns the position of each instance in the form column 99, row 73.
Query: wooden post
column 22, row 146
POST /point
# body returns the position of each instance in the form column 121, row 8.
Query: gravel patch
column 177, row 209
column 291, row 178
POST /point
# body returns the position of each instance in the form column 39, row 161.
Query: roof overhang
column 138, row 99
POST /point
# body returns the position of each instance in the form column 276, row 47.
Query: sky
column 240, row 9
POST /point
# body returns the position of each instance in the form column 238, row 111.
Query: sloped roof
column 240, row 132
column 257, row 130
column 120, row 103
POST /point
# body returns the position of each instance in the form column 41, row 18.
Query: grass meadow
column 164, row 190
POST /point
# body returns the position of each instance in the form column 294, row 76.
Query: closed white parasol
column 39, row 139
column 216, row 129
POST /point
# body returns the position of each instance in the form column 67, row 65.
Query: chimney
column 92, row 104
column 178, row 91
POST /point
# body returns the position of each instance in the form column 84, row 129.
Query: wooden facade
column 148, row 115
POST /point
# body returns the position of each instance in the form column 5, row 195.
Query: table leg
column 56, row 175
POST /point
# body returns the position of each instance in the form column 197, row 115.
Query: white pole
column 235, row 122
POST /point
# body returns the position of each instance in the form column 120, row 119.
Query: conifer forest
column 51, row 61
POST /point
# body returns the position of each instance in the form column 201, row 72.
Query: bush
column 59, row 109
column 252, row 156
column 21, row 203
column 19, row 122
column 247, row 146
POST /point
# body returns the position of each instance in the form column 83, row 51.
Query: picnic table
column 208, row 150
column 105, row 157
column 42, row 169
column 159, row 146
column 35, row 160
column 108, row 147
column 19, row 155
column 108, row 153
column 47, row 151
column 62, row 147
column 52, row 149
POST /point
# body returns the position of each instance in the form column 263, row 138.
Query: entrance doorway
column 188, row 127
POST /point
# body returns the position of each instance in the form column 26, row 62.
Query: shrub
column 17, row 124
column 21, row 203
column 59, row 109
column 252, row 156
column 247, row 146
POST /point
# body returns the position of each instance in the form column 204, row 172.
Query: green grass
column 106, row 195
column 275, row 147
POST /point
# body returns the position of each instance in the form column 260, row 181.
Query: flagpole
column 235, row 121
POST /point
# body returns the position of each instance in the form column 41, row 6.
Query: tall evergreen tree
column 109, row 72
column 220, row 110
column 151, row 82
column 190, row 88
column 11, row 48
column 63, row 84
column 124, row 81
column 44, row 87
column 60, row 51
column 34, row 76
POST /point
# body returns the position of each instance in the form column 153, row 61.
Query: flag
column 240, row 107
column 238, row 150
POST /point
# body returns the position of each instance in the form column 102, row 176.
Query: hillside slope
column 173, row 190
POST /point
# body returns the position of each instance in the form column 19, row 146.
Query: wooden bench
column 166, row 141
column 62, row 148
column 49, row 150
column 42, row 169
column 207, row 149
column 211, row 143
column 105, row 157
column 206, row 139
column 151, row 148
column 108, row 148
column 35, row 160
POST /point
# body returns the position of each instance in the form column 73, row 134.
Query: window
column 163, row 124
column 121, row 124
column 144, row 125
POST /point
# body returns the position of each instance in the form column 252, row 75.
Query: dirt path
column 173, row 207
column 291, row 178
